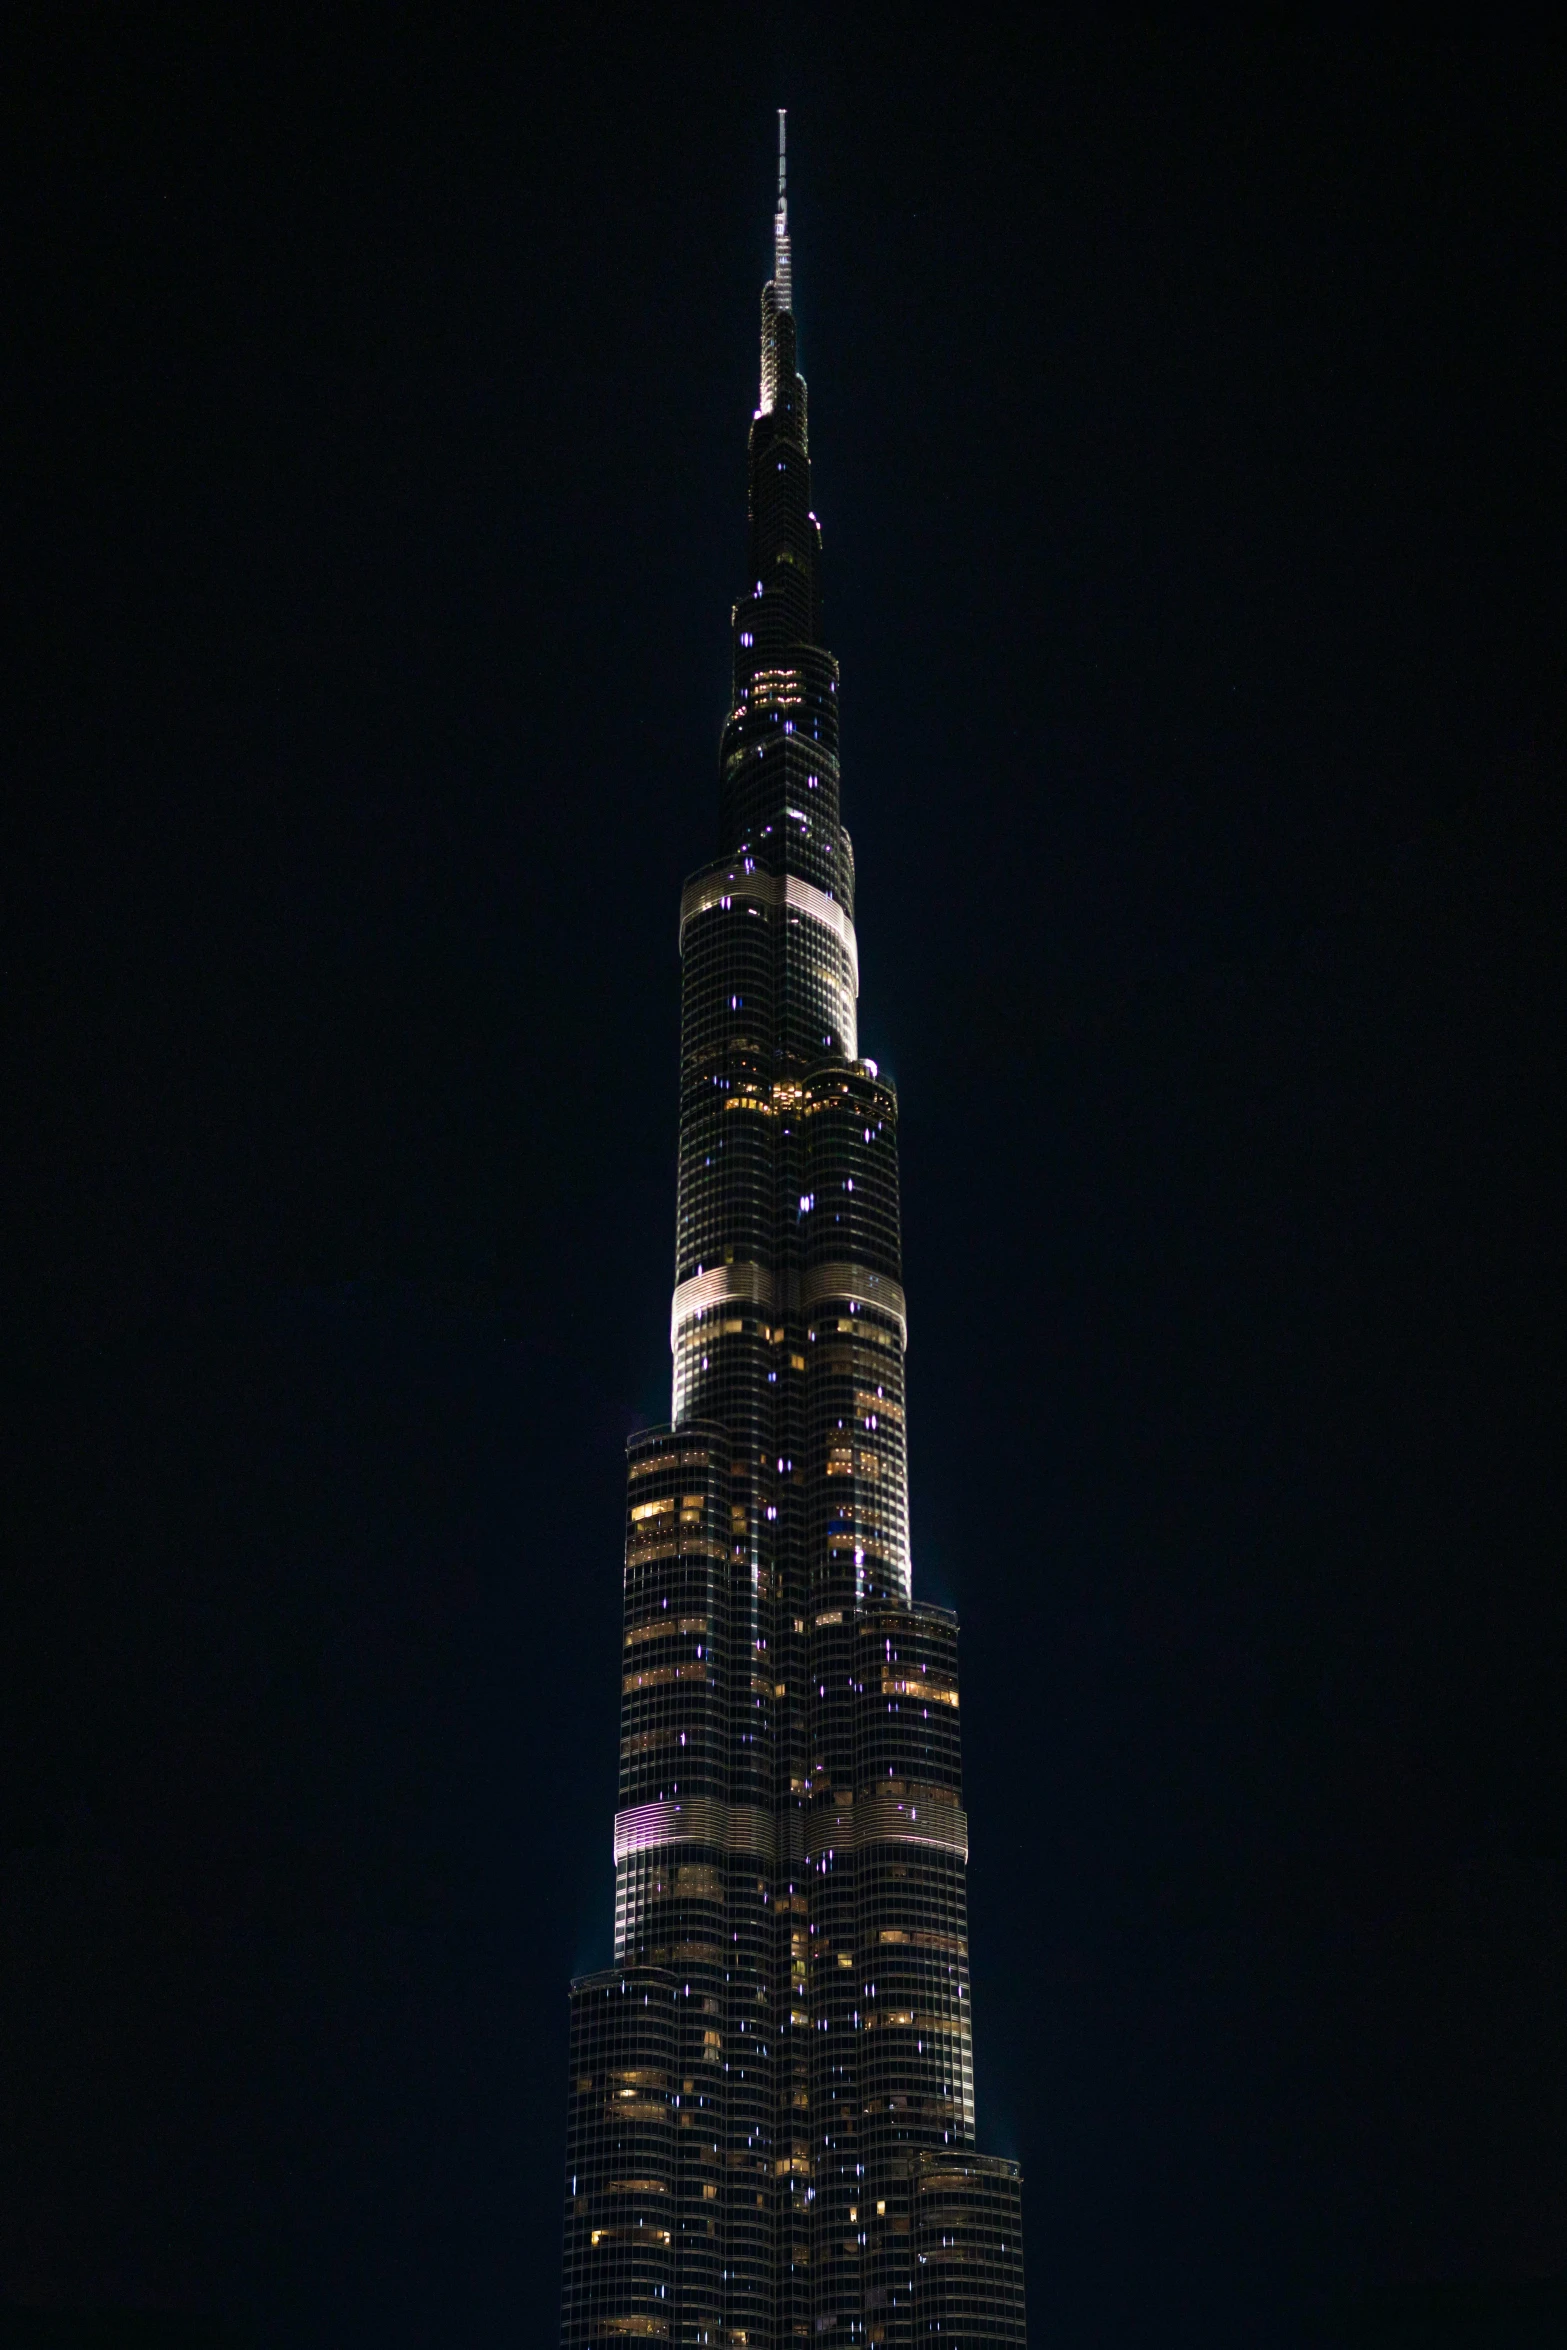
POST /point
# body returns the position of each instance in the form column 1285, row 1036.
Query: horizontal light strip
column 697, row 1819
column 890, row 1819
column 771, row 889
column 755, row 1285
column 752, row 1285
column 824, row 1283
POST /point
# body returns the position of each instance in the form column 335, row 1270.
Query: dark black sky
column 1187, row 417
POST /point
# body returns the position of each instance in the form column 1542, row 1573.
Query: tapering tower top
column 782, row 276
column 779, row 377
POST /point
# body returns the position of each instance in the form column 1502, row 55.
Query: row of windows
column 667, row 1455
column 690, row 1506
column 660, row 1625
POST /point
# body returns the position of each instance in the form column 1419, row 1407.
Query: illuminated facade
column 771, row 2133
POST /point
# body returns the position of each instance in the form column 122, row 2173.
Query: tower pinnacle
column 783, row 292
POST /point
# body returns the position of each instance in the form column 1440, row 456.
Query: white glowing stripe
column 825, row 1283
column 754, row 1285
column 750, row 1284
column 821, row 908
column 772, row 889
column 890, row 1819
column 698, row 1819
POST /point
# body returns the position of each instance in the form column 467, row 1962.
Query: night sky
column 1186, row 418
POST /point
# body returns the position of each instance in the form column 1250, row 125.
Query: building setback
column 771, row 2104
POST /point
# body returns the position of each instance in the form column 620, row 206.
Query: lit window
column 934, row 1690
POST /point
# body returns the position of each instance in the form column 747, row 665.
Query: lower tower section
column 772, row 2090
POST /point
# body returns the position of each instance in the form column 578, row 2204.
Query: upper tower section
column 786, row 542
column 779, row 782
column 778, row 293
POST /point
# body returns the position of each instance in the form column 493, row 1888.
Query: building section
column 772, row 2130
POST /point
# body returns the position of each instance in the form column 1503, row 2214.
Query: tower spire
column 783, row 290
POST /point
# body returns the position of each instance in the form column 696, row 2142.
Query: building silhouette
column 771, row 2130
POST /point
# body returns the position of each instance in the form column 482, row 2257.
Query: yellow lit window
column 662, row 1624
column 660, row 1676
column 927, row 1685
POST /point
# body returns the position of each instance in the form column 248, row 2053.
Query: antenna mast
column 783, row 275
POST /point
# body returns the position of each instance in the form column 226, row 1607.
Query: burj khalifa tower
column 771, row 2125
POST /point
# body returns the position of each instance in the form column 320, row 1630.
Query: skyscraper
column 771, row 2125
